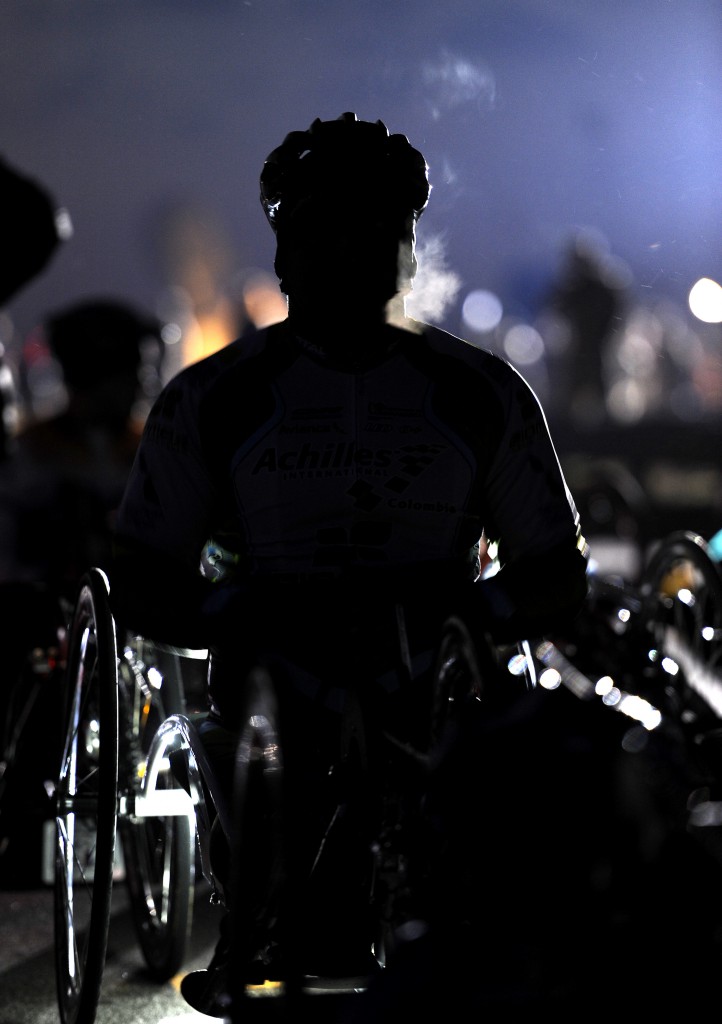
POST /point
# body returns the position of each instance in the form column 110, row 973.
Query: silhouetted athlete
column 315, row 493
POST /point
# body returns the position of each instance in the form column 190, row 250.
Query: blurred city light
column 523, row 345
column 705, row 300
column 482, row 310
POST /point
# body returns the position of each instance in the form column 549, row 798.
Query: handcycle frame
column 397, row 857
column 158, row 784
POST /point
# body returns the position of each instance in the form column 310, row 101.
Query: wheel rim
column 86, row 802
column 159, row 851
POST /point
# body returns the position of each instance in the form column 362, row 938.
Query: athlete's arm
column 531, row 515
column 166, row 515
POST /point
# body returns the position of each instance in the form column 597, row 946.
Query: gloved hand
column 528, row 598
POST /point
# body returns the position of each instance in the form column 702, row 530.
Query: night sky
column 536, row 117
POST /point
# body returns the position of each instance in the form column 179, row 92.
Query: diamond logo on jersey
column 414, row 460
column 364, row 496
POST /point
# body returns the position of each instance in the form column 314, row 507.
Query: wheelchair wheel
column 469, row 673
column 457, row 677
column 477, row 686
column 681, row 618
column 86, row 799
column 258, row 884
column 159, row 850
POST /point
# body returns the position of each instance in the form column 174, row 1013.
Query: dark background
column 535, row 116
column 150, row 120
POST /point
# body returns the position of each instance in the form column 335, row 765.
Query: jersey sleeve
column 163, row 522
column 530, row 508
column 531, row 514
column 170, row 498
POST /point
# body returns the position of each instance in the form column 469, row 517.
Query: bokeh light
column 482, row 310
column 705, row 300
column 523, row 345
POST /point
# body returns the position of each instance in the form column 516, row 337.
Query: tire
column 474, row 689
column 159, row 852
column 259, row 879
column 681, row 620
column 409, row 852
column 86, row 800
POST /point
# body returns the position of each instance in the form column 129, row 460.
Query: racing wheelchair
column 114, row 777
column 641, row 670
column 651, row 648
column 680, row 612
column 659, row 637
column 379, row 792
column 134, row 762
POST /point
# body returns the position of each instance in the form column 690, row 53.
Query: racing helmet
column 99, row 339
column 348, row 163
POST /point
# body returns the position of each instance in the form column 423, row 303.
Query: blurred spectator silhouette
column 32, row 229
column 59, row 487
column 582, row 314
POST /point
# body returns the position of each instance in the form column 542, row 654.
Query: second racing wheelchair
column 115, row 778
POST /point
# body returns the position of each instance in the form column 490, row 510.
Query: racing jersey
column 307, row 466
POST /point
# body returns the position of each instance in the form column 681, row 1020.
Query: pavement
column 27, row 970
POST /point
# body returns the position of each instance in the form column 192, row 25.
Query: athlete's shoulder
column 199, row 379
column 472, row 357
column 225, row 359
